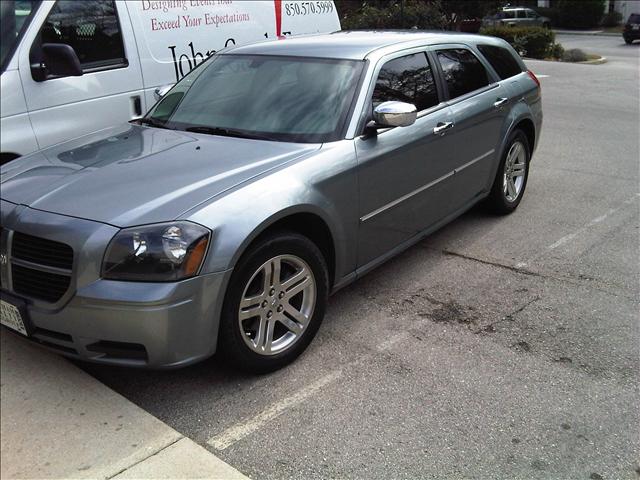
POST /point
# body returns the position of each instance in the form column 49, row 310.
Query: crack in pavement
column 575, row 281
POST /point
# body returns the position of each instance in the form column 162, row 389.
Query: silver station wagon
column 271, row 176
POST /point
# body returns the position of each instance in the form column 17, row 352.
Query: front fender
column 323, row 184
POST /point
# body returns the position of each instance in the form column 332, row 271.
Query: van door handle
column 441, row 127
column 500, row 102
column 136, row 102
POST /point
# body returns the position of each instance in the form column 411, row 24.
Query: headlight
column 163, row 252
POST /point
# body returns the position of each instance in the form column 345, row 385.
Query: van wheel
column 511, row 178
column 274, row 304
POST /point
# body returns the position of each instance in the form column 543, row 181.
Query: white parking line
column 241, row 430
column 542, row 76
column 569, row 237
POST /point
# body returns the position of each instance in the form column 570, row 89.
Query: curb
column 592, row 33
column 596, row 61
column 77, row 427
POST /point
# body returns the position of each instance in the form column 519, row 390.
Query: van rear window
column 502, row 60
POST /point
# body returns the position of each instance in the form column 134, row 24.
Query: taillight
column 534, row 78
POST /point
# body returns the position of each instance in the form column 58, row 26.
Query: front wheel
column 511, row 178
column 274, row 304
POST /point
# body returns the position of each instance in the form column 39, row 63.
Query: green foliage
column 534, row 42
column 574, row 55
column 579, row 13
column 422, row 14
column 455, row 11
column 391, row 14
column 557, row 51
column 612, row 19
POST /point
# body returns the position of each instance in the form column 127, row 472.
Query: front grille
column 41, row 251
column 46, row 286
column 34, row 261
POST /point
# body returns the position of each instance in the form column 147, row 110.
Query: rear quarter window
column 502, row 60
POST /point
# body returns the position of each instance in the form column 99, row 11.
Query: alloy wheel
column 515, row 169
column 277, row 304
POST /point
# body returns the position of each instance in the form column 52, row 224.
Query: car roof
column 353, row 45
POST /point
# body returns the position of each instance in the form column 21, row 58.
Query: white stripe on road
column 241, row 430
column 543, row 76
column 569, row 237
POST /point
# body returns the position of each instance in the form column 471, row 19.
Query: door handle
column 441, row 127
column 500, row 102
column 136, row 103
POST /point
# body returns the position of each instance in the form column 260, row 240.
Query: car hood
column 132, row 175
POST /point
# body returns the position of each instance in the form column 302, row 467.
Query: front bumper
column 107, row 322
column 159, row 325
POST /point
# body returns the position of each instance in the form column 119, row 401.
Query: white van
column 72, row 67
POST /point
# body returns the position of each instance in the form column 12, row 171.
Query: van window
column 501, row 60
column 407, row 79
column 91, row 28
column 462, row 71
column 14, row 19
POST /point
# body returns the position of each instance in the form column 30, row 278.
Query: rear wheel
column 628, row 41
column 274, row 304
column 511, row 178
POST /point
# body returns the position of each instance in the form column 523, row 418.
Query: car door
column 479, row 103
column 110, row 89
column 403, row 171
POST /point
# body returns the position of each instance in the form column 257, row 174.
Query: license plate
column 11, row 317
column 635, row 27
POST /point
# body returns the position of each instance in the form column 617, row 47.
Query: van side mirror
column 161, row 91
column 58, row 60
column 395, row 114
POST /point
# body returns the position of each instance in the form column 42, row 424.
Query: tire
column 628, row 41
column 276, row 335
column 501, row 200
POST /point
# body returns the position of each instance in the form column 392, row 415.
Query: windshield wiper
column 226, row 132
column 153, row 123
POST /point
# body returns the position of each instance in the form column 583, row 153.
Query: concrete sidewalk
column 56, row 421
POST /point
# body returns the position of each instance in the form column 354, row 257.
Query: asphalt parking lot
column 496, row 348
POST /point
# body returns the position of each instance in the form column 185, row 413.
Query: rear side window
column 509, row 14
column 91, row 27
column 462, row 71
column 501, row 60
column 407, row 79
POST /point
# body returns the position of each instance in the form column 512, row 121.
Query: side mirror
column 58, row 60
column 395, row 114
column 160, row 92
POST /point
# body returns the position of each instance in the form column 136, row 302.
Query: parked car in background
column 517, row 16
column 631, row 30
column 74, row 67
column 270, row 176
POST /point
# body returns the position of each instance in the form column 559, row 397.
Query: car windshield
column 267, row 97
column 14, row 18
column 634, row 18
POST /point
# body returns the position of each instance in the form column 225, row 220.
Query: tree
column 455, row 11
